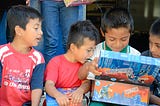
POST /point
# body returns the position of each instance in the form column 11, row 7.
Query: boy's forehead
column 87, row 41
column 154, row 35
column 34, row 21
column 155, row 38
column 118, row 32
column 118, row 28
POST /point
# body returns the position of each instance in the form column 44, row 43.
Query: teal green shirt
column 124, row 50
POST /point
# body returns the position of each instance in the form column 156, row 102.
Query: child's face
column 154, row 45
column 117, row 38
column 85, row 51
column 33, row 33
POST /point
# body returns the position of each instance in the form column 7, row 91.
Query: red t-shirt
column 63, row 73
column 17, row 70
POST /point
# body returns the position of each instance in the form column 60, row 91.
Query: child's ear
column 18, row 30
column 102, row 32
column 72, row 47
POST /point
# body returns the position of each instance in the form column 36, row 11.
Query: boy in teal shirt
column 116, row 28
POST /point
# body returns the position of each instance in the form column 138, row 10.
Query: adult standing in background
column 57, row 19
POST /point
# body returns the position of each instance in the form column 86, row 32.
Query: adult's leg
column 3, row 27
column 50, row 13
column 68, row 16
column 36, row 4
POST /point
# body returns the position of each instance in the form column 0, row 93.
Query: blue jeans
column 57, row 20
column 3, row 29
column 36, row 4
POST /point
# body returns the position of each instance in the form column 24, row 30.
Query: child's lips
column 156, row 56
column 39, row 39
column 116, row 50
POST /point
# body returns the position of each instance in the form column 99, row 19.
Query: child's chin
column 36, row 44
column 82, row 62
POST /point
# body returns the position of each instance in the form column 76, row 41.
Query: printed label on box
column 120, row 93
column 122, row 67
column 125, row 78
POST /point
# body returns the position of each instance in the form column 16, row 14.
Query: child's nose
column 153, row 48
column 90, row 54
column 118, row 44
column 40, row 32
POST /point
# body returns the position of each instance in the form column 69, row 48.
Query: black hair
column 81, row 30
column 19, row 15
column 155, row 27
column 116, row 18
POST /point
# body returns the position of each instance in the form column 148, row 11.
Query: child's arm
column 61, row 99
column 36, row 96
column 77, row 95
column 154, row 99
column 37, row 84
column 88, row 67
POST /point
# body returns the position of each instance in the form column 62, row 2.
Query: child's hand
column 76, row 97
column 93, row 67
column 62, row 99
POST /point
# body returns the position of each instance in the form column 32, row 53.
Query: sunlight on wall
column 146, row 8
column 156, row 8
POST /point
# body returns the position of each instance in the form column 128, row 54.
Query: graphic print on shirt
column 18, row 79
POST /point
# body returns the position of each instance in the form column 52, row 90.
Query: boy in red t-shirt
column 21, row 66
column 62, row 70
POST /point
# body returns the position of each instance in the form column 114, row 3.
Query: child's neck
column 105, row 47
column 69, row 56
column 20, row 48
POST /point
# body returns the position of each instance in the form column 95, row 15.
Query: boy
column 154, row 51
column 21, row 66
column 62, row 70
column 116, row 27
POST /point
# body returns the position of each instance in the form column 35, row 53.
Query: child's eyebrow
column 36, row 24
column 125, row 36
column 92, row 47
column 157, row 43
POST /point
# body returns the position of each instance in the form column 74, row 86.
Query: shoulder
column 99, row 45
column 146, row 53
column 38, row 56
column 37, row 53
column 4, row 50
column 134, row 51
column 98, row 49
column 57, row 59
column 4, row 47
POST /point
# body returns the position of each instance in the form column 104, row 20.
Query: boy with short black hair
column 62, row 70
column 116, row 28
column 154, row 51
column 21, row 66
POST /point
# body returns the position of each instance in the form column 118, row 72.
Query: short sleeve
column 51, row 72
column 0, row 73
column 38, row 76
